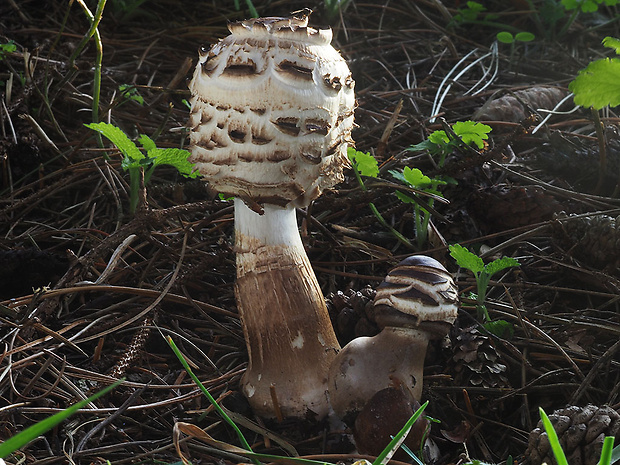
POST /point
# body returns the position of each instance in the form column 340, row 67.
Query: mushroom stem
column 286, row 325
column 367, row 365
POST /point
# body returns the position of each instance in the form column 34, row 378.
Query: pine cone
column 352, row 313
column 577, row 160
column 581, row 431
column 514, row 107
column 505, row 206
column 595, row 240
column 475, row 362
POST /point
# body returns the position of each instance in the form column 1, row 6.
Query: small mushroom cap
column 418, row 293
column 272, row 112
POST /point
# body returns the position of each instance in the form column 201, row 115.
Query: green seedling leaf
column 560, row 457
column 131, row 93
column 439, row 137
column 424, row 145
column 146, row 142
column 500, row 328
column 21, row 439
column 385, row 455
column 174, row 157
column 470, row 13
column 587, row 6
column 365, row 163
column 505, row 37
column 524, row 36
column 415, row 178
column 500, row 264
column 9, row 47
column 129, row 150
column 466, row 259
column 471, row 132
column 598, row 85
column 612, row 42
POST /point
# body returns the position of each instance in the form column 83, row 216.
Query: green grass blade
column 208, row 395
column 395, row 443
column 615, row 455
column 606, row 452
column 560, row 457
column 21, row 439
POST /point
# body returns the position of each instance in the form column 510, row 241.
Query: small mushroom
column 268, row 127
column 416, row 302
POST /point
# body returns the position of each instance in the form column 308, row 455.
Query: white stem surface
column 289, row 336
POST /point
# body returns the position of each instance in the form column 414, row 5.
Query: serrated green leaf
column 598, row 85
column 471, row 132
column 466, row 259
column 174, row 157
column 438, row 137
column 415, row 178
column 500, row 264
column 365, row 163
column 505, row 37
column 119, row 139
column 612, row 42
column 146, row 142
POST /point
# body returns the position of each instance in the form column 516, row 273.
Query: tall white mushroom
column 272, row 113
column 416, row 302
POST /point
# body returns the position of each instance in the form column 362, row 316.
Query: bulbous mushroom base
column 366, row 365
column 289, row 342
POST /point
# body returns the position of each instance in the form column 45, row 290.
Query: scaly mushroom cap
column 273, row 95
column 418, row 293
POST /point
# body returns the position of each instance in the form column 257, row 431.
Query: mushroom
column 272, row 114
column 416, row 302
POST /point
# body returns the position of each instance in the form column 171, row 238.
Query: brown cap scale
column 272, row 113
column 416, row 302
